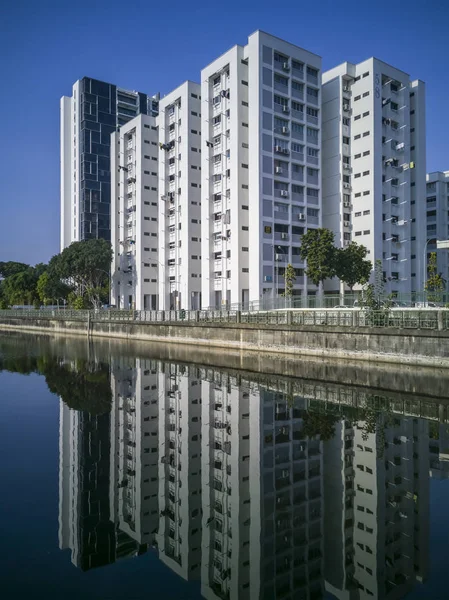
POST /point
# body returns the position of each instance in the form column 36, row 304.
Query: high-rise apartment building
column 88, row 118
column 261, row 132
column 374, row 166
column 437, row 218
column 180, row 198
column 134, row 215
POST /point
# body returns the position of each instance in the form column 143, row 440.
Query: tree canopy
column 79, row 274
column 317, row 248
column 351, row 265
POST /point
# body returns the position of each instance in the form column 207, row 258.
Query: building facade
column 88, row 117
column 134, row 215
column 374, row 165
column 180, row 198
column 261, row 130
column 437, row 218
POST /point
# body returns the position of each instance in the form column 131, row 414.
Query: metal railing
column 437, row 319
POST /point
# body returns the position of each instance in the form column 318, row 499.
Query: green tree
column 289, row 278
column 351, row 265
column 317, row 248
column 84, row 267
column 21, row 287
column 12, row 268
column 50, row 289
column 434, row 284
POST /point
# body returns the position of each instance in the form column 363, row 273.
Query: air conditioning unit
column 346, row 204
column 346, row 107
column 286, row 151
column 346, row 223
column 285, row 66
column 284, row 236
column 278, row 257
column 278, row 169
column 346, row 242
column 346, row 185
column 285, row 109
column 268, row 278
column 346, row 88
column 301, row 217
column 278, row 148
column 284, row 193
column 285, row 130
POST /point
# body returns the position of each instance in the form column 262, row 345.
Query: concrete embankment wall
column 392, row 345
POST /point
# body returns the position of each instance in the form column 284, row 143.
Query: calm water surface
column 128, row 477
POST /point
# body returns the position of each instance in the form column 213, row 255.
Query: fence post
column 197, row 316
column 238, row 316
column 289, row 317
column 440, row 320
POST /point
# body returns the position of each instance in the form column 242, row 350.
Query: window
column 366, row 232
column 356, row 156
column 357, row 137
column 245, row 270
column 358, row 214
column 245, row 145
column 346, row 121
column 357, row 233
column 245, row 207
column 245, row 249
column 365, row 114
column 245, row 228
column 244, row 82
column 194, row 131
column 365, row 74
column 357, row 117
column 357, row 175
column 366, row 153
column 312, row 92
column 366, row 193
column 365, row 94
column 366, row 212
column 366, row 133
column 244, row 166
column 244, row 124
column 244, row 103
column 357, row 98
column 365, row 173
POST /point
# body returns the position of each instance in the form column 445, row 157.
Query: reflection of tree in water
column 83, row 385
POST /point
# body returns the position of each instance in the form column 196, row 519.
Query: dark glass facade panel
column 99, row 119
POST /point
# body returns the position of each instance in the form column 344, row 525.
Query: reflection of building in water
column 376, row 499
column 84, row 518
column 439, row 450
column 262, row 496
column 134, row 448
column 179, row 533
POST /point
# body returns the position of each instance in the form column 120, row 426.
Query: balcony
column 218, row 264
column 281, row 150
column 313, row 120
column 281, row 108
column 282, row 130
column 312, row 200
column 298, row 175
column 297, row 94
column 280, row 87
column 219, row 284
column 298, row 115
column 312, row 99
column 313, row 160
column 218, row 225
column 299, row 156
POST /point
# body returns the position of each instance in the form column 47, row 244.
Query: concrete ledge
column 412, row 347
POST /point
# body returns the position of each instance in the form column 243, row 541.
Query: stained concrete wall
column 422, row 347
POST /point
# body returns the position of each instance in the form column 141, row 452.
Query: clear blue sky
column 46, row 45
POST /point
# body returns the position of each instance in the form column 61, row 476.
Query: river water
column 133, row 472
